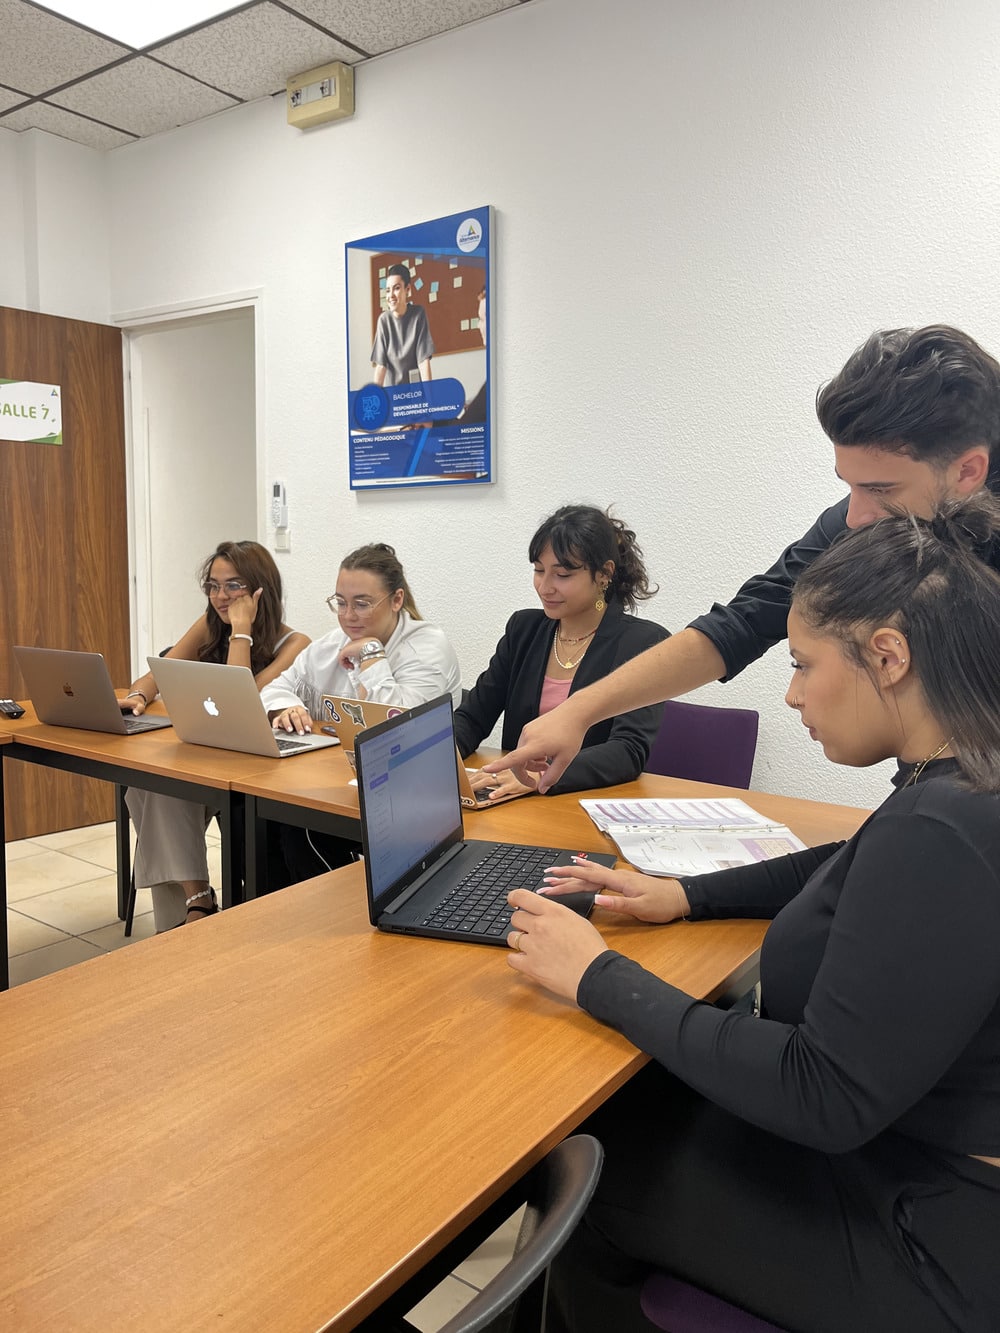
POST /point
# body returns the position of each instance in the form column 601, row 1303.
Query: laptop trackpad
column 582, row 902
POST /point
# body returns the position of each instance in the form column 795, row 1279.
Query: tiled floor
column 63, row 908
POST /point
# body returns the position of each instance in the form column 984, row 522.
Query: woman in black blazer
column 589, row 577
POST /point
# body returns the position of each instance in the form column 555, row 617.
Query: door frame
column 132, row 323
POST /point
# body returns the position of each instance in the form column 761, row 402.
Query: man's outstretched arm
column 548, row 745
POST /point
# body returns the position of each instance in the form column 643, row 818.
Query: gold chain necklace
column 562, row 637
column 568, row 666
column 911, row 780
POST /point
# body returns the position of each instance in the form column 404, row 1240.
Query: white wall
column 12, row 260
column 194, row 461
column 702, row 207
column 54, row 229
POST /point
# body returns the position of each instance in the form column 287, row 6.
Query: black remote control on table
column 9, row 708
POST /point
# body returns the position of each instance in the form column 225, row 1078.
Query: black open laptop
column 423, row 876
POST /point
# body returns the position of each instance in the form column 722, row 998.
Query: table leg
column 255, row 848
column 231, row 808
column 123, row 849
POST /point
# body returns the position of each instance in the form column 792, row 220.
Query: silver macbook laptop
column 70, row 689
column 423, row 877
column 218, row 705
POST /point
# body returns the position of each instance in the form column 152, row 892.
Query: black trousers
column 888, row 1239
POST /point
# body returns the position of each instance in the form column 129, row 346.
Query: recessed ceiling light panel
column 137, row 24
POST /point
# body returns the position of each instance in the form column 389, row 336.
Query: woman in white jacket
column 381, row 651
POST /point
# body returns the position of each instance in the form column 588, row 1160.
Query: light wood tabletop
column 561, row 819
column 159, row 753
column 321, row 782
column 315, row 792
column 267, row 1122
column 155, row 760
column 314, row 781
column 271, row 1120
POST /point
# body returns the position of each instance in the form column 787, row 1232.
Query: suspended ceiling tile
column 254, row 53
column 383, row 25
column 9, row 98
column 144, row 97
column 42, row 116
column 39, row 51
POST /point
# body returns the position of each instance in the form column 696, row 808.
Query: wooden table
column 270, row 1121
column 315, row 792
column 310, row 791
column 156, row 761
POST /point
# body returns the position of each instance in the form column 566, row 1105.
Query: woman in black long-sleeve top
column 589, row 576
column 834, row 1163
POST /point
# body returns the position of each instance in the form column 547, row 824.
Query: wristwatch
column 370, row 650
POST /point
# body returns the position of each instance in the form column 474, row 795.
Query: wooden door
column 63, row 539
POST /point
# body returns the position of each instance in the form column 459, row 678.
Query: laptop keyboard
column 141, row 724
column 478, row 904
column 288, row 747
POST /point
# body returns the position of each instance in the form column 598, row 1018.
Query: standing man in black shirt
column 914, row 417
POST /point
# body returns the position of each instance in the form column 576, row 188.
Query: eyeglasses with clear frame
column 232, row 587
column 361, row 606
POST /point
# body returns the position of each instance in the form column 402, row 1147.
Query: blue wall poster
column 419, row 380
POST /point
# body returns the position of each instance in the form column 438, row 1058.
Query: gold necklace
column 562, row 637
column 911, row 780
column 568, row 666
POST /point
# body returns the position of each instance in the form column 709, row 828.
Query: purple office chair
column 705, row 744
column 669, row 1303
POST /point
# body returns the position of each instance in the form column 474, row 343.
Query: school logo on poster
column 469, row 236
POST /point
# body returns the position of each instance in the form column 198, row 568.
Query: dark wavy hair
column 584, row 537
column 925, row 577
column 255, row 566
column 379, row 558
column 931, row 393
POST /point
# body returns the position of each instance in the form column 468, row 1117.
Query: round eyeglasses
column 232, row 587
column 361, row 606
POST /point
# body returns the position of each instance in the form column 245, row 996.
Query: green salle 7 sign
column 31, row 413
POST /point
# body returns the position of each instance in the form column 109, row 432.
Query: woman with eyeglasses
column 242, row 625
column 381, row 650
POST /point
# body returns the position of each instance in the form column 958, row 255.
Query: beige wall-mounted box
column 320, row 94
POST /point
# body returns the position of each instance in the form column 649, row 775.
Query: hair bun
column 968, row 524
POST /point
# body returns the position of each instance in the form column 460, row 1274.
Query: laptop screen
column 409, row 798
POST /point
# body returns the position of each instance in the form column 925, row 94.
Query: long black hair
column 925, row 577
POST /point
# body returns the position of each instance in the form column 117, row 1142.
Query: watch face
column 372, row 646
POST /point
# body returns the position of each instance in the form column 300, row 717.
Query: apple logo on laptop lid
column 211, row 707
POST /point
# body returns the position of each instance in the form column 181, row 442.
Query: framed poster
column 419, row 373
